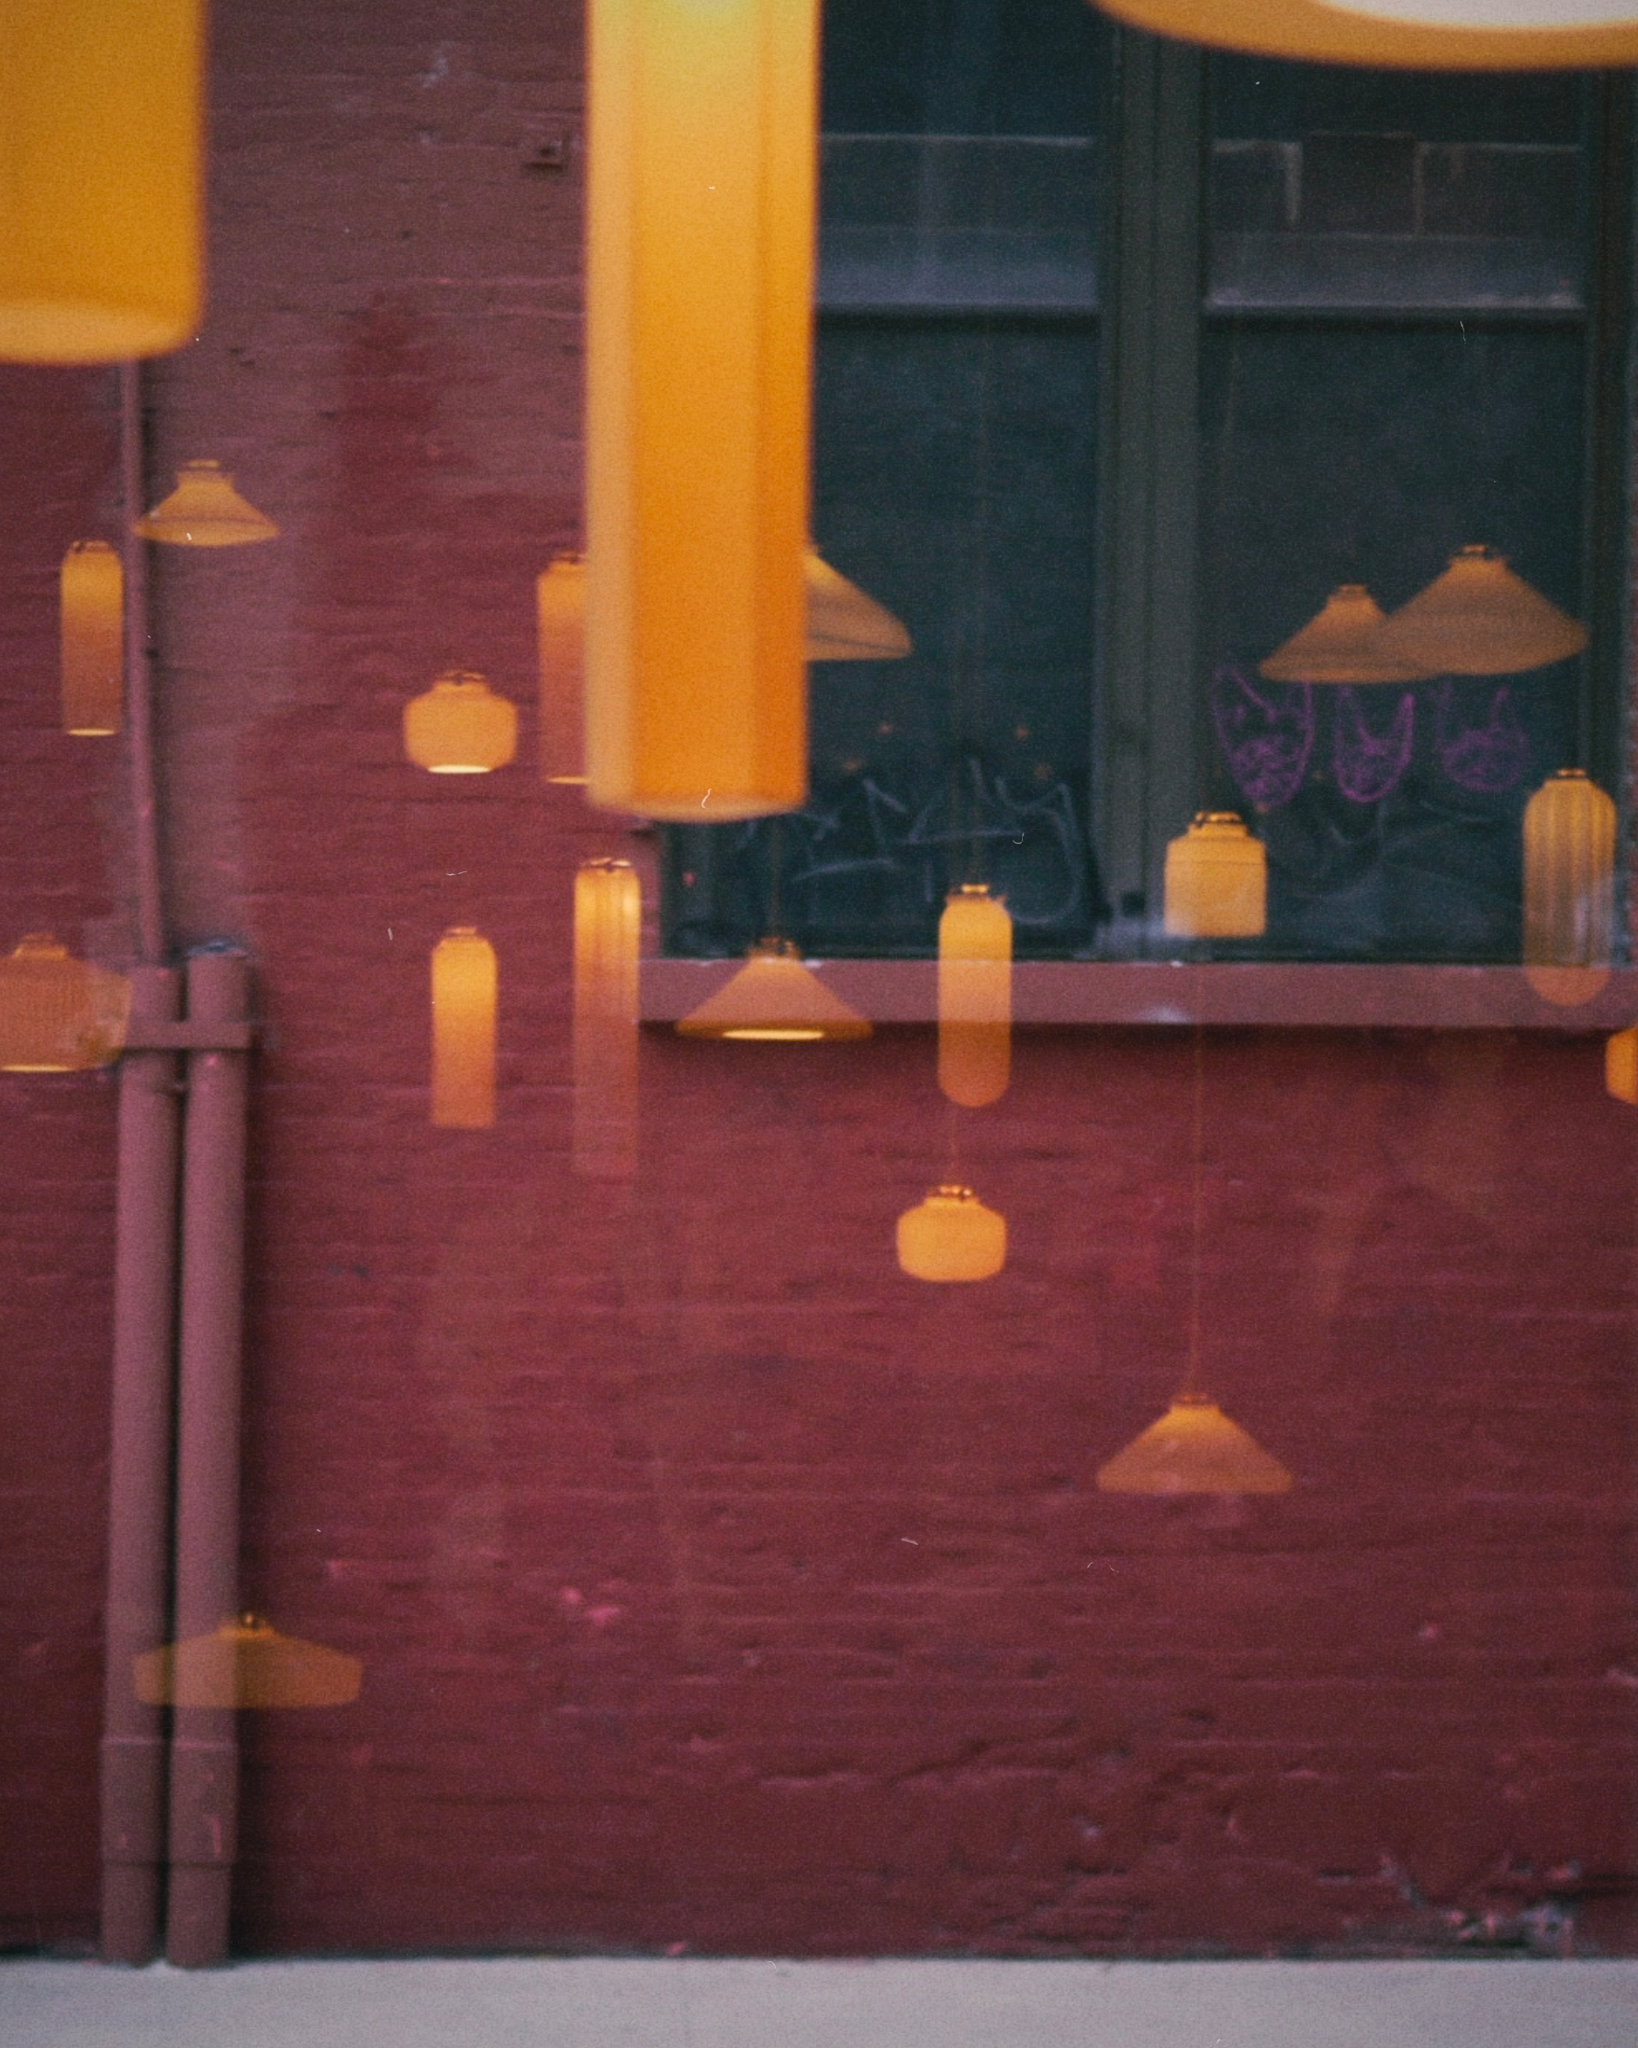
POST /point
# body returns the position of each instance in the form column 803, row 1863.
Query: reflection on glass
column 246, row 1663
column 91, row 592
column 1569, row 887
column 59, row 1015
column 1479, row 619
column 1193, row 1448
column 1341, row 643
column 774, row 998
column 607, row 940
column 974, row 997
column 951, row 1235
column 465, row 980
column 1216, row 880
column 205, row 511
column 560, row 610
column 460, row 726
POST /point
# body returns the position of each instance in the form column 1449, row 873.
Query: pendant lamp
column 1569, row 888
column 774, row 998
column 608, row 916
column 1479, row 619
column 460, row 726
column 91, row 593
column 703, row 120
column 1339, row 645
column 974, row 997
column 464, row 986
column 952, row 1236
column 1193, row 1448
column 1216, row 880
column 100, row 174
column 205, row 511
column 844, row 623
column 560, row 611
column 1422, row 35
column 1621, row 1064
column 59, row 1015
column 246, row 1663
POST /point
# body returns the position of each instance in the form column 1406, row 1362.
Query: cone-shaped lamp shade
column 560, row 609
column 464, row 986
column 100, row 213
column 460, row 726
column 608, row 917
column 59, row 1015
column 91, row 589
column 1338, row 645
column 1216, row 880
column 1424, row 35
column 1479, row 619
column 1193, row 1448
column 952, row 1236
column 246, row 1663
column 974, row 997
column 703, row 120
column 775, row 998
column 844, row 623
column 1621, row 1064
column 205, row 511
column 1569, row 888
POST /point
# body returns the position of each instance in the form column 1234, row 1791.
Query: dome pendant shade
column 974, row 997
column 1193, row 1448
column 92, row 597
column 844, row 624
column 1465, row 35
column 205, row 511
column 560, row 612
column 952, row 1236
column 1621, row 1064
column 1339, row 645
column 59, row 1015
column 460, row 726
column 246, row 1663
column 1216, row 880
column 774, row 998
column 465, row 983
column 1479, row 619
column 1569, row 888
column 608, row 915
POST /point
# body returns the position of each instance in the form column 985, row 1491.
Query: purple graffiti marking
column 1489, row 758
column 1369, row 765
column 1267, row 734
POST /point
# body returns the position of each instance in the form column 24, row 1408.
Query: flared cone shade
column 1424, row 35
column 775, row 998
column 91, row 590
column 701, row 177
column 460, row 726
column 843, row 623
column 1569, row 888
column 1338, row 645
column 464, row 986
column 100, row 166
column 1216, row 881
column 974, row 997
column 246, row 1663
column 205, row 511
column 59, row 1015
column 1193, row 1448
column 560, row 609
column 1479, row 619
column 1621, row 1064
column 608, row 919
column 952, row 1236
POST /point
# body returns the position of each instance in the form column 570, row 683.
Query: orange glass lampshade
column 775, row 999
column 844, row 623
column 703, row 119
column 1193, row 1448
column 1569, row 888
column 952, row 1236
column 205, row 511
column 100, row 178
column 1216, row 880
column 1621, row 1064
column 59, row 1015
column 246, row 1663
column 91, row 591
column 1422, row 35
column 974, row 997
column 464, row 988
column 1479, row 619
column 608, row 918
column 560, row 608
column 1339, row 645
column 460, row 726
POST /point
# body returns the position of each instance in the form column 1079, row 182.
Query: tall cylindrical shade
column 91, row 589
column 1569, row 887
column 703, row 119
column 608, row 915
column 560, row 610
column 974, row 997
column 464, row 985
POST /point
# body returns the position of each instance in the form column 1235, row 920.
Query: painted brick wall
column 718, row 1586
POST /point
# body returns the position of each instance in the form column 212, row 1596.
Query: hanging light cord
column 139, row 717
column 1191, row 1370
column 952, row 1144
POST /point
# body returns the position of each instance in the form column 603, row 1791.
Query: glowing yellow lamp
column 59, row 1015
column 608, row 918
column 1339, row 644
column 1193, row 1448
column 703, row 119
column 952, row 1236
column 1216, row 881
column 560, row 609
column 775, row 999
column 974, row 997
column 1621, row 1064
column 464, row 985
column 246, row 1663
column 1569, row 888
column 1423, row 35
column 205, row 511
column 1479, row 619
column 91, row 591
column 460, row 726
column 100, row 171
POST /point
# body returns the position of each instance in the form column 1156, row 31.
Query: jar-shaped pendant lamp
column 59, row 1015
column 91, row 591
column 560, row 611
column 1216, row 881
column 1193, row 1448
column 951, row 1235
column 1569, row 888
column 460, row 726
column 703, row 133
column 464, row 987
column 205, row 511
column 1621, row 1064
column 974, row 997
column 774, row 999
column 608, row 918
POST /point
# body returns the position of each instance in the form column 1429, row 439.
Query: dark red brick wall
column 717, row 1586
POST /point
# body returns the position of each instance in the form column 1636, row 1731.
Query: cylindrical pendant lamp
column 703, row 144
column 59, row 1015
column 974, row 997
column 1216, row 881
column 464, row 985
column 1422, row 35
column 560, row 608
column 1621, row 1064
column 952, row 1236
column 1194, row 1448
column 205, row 511
column 608, row 916
column 101, row 217
column 460, row 726
column 91, row 590
column 1569, row 888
